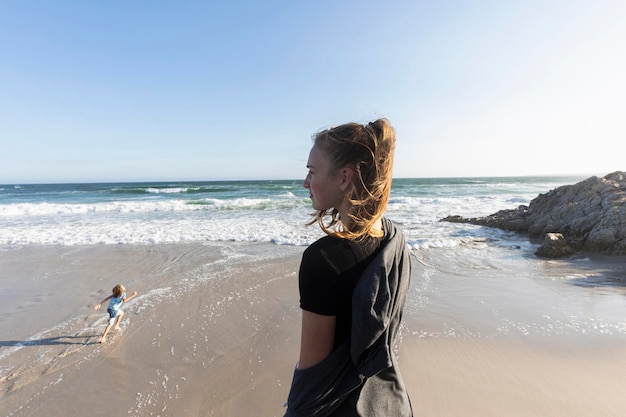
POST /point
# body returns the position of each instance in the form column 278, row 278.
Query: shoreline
column 215, row 332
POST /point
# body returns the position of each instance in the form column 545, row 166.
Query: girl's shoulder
column 325, row 245
column 339, row 254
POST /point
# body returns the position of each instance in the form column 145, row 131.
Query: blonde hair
column 118, row 290
column 368, row 150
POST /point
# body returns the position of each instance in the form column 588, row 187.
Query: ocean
column 243, row 211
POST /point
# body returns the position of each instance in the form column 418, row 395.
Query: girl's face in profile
column 322, row 182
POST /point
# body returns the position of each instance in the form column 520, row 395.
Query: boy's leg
column 106, row 331
column 118, row 319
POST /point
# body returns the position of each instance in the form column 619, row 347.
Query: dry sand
column 213, row 338
column 451, row 377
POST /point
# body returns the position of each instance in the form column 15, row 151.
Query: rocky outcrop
column 590, row 216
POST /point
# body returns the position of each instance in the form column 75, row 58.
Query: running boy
column 114, row 309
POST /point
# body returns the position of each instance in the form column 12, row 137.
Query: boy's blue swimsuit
column 115, row 304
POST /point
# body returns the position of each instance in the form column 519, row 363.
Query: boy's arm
column 131, row 296
column 97, row 306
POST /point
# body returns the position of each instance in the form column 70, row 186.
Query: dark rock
column 554, row 246
column 511, row 219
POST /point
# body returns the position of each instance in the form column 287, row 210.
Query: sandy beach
column 215, row 332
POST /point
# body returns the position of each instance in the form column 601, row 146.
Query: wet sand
column 215, row 332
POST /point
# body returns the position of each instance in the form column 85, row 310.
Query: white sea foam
column 280, row 221
column 174, row 190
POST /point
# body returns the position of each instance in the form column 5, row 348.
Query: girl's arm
column 97, row 306
column 317, row 338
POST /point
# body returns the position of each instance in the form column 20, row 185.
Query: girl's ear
column 347, row 175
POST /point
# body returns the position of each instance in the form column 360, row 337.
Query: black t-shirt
column 329, row 271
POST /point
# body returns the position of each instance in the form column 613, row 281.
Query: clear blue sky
column 201, row 90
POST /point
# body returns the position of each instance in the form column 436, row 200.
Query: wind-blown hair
column 368, row 150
